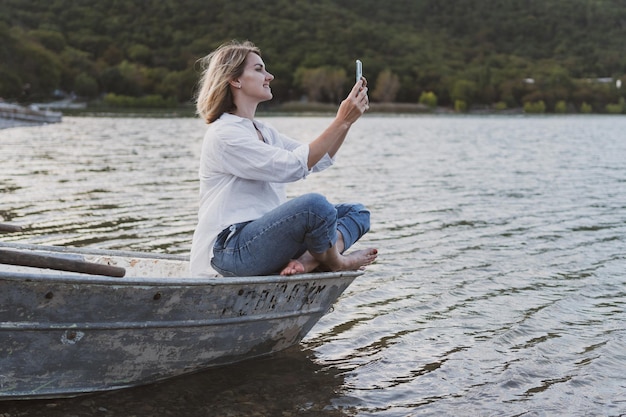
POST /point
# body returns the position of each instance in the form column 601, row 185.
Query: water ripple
column 500, row 284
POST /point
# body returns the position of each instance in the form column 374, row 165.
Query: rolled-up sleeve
column 244, row 156
column 292, row 144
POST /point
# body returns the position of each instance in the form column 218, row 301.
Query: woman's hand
column 349, row 112
column 357, row 103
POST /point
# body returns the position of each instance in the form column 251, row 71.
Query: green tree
column 39, row 69
column 178, row 84
column 387, row 86
column 561, row 107
column 140, row 53
column 429, row 99
column 311, row 80
column 586, row 108
column 322, row 84
column 500, row 106
column 428, row 44
column 334, row 82
column 10, row 84
column 616, row 108
column 85, row 85
column 51, row 40
column 535, row 107
column 465, row 91
column 460, row 106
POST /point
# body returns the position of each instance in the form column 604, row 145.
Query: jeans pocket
column 219, row 250
column 224, row 236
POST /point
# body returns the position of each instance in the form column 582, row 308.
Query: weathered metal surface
column 68, row 334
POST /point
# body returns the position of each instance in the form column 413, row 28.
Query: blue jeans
column 264, row 246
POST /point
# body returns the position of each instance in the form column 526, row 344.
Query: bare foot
column 293, row 267
column 355, row 260
column 350, row 262
column 305, row 263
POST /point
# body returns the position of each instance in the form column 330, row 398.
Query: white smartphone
column 359, row 70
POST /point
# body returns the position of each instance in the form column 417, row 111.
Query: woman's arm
column 351, row 108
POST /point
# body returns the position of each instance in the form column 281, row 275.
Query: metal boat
column 66, row 333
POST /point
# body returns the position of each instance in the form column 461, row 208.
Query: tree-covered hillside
column 462, row 52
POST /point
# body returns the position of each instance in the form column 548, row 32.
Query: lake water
column 500, row 288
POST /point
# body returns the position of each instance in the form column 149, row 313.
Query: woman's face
column 255, row 80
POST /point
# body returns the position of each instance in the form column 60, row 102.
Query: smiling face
column 254, row 83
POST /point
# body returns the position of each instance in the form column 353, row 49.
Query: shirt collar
column 233, row 118
column 229, row 117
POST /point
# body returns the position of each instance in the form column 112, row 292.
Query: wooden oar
column 37, row 260
column 9, row 228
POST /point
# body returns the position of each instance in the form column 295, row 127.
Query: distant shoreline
column 288, row 108
column 295, row 108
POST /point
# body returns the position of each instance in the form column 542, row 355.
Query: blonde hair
column 220, row 67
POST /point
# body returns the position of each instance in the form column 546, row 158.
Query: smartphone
column 359, row 70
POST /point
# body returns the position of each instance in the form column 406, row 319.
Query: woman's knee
column 313, row 199
column 319, row 205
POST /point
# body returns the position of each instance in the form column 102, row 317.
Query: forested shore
column 539, row 56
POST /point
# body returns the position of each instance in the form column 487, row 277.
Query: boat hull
column 63, row 335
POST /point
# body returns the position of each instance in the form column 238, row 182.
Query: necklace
column 259, row 134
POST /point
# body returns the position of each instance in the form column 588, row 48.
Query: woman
column 246, row 226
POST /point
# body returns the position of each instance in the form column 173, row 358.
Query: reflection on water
column 246, row 389
column 499, row 290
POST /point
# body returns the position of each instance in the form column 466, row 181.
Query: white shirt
column 242, row 178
